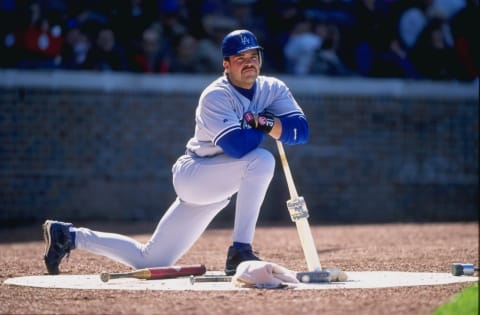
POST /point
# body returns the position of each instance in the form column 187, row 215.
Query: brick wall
column 83, row 151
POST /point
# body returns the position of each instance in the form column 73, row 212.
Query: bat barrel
column 177, row 271
column 157, row 273
column 308, row 245
column 299, row 214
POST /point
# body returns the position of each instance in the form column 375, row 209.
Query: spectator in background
column 106, row 54
column 215, row 29
column 186, row 57
column 432, row 56
column 246, row 14
column 40, row 43
column 368, row 27
column 326, row 59
column 449, row 7
column 243, row 11
column 466, row 43
column 75, row 49
column 393, row 61
column 12, row 18
column 83, row 22
column 300, row 48
column 280, row 18
column 171, row 20
column 411, row 20
column 130, row 18
column 331, row 11
column 33, row 36
column 150, row 57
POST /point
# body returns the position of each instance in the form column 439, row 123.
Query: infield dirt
column 389, row 247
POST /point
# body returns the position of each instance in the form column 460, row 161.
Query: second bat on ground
column 157, row 273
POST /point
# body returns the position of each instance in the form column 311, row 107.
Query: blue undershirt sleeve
column 295, row 130
column 239, row 142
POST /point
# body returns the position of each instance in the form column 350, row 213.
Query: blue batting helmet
column 239, row 41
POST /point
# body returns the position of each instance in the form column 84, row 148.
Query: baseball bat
column 210, row 278
column 157, row 273
column 459, row 269
column 299, row 214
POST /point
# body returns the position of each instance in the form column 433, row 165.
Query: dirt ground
column 390, row 247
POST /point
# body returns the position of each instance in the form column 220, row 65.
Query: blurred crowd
column 412, row 39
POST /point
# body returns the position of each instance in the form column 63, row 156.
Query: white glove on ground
column 263, row 274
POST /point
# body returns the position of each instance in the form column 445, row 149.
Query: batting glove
column 264, row 121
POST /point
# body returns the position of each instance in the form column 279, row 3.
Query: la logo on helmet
column 245, row 39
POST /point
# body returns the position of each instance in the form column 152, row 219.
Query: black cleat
column 58, row 243
column 237, row 255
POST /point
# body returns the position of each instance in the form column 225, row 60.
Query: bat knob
column 105, row 276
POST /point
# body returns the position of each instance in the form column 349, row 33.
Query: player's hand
column 263, row 121
column 250, row 119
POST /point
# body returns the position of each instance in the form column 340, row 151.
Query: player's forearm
column 289, row 130
column 294, row 130
column 276, row 131
column 239, row 142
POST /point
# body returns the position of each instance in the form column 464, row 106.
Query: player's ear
column 226, row 64
column 260, row 57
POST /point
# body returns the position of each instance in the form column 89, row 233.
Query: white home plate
column 369, row 279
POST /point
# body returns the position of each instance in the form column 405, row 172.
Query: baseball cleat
column 58, row 243
column 237, row 255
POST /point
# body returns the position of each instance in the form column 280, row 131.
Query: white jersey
column 221, row 108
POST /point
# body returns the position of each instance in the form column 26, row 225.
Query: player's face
column 243, row 69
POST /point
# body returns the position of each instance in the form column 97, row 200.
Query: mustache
column 249, row 67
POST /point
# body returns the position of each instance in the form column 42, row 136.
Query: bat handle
column 286, row 170
column 210, row 278
column 139, row 274
column 105, row 276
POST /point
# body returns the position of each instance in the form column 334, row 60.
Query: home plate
column 356, row 280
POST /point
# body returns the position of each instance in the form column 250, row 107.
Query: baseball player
column 234, row 114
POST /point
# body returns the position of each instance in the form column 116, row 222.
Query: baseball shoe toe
column 237, row 255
